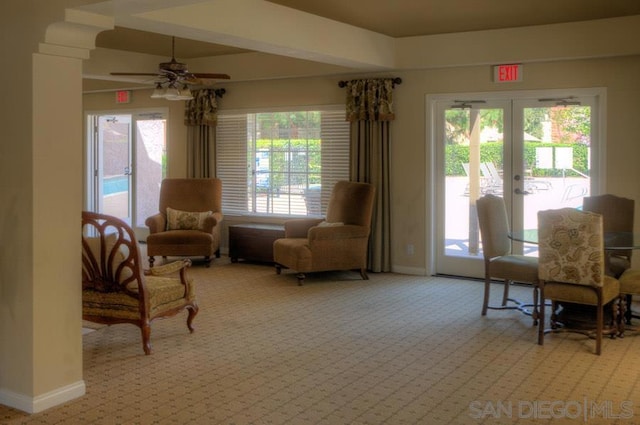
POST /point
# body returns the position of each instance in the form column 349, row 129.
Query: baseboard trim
column 415, row 271
column 45, row 401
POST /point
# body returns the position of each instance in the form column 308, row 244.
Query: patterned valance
column 370, row 99
column 202, row 109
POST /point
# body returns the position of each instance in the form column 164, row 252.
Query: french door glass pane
column 556, row 158
column 115, row 134
column 474, row 160
column 150, row 166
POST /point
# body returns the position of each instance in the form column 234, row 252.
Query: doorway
column 537, row 150
column 126, row 163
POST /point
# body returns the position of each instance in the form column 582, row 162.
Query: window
column 281, row 163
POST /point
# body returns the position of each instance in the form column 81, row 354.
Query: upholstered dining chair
column 617, row 216
column 571, row 269
column 499, row 260
column 629, row 286
column 115, row 289
column 338, row 242
column 189, row 220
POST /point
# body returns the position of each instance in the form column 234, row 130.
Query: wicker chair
column 114, row 287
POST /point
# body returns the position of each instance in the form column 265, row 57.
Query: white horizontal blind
column 335, row 152
column 244, row 188
column 231, row 162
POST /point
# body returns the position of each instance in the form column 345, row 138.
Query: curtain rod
column 396, row 80
column 218, row 92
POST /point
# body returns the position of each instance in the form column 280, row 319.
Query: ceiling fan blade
column 216, row 76
column 135, row 73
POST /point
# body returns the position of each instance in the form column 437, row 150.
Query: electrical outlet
column 410, row 249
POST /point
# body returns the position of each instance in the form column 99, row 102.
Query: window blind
column 247, row 191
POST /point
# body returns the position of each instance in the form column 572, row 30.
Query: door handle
column 521, row 192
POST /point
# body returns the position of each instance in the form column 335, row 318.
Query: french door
column 125, row 164
column 537, row 151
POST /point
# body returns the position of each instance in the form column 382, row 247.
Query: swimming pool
column 115, row 184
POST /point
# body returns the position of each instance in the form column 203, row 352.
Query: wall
column 412, row 186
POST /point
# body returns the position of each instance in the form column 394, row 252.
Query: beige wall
column 411, row 177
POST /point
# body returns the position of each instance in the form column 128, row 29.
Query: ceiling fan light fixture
column 172, row 74
column 158, row 92
column 184, row 93
column 172, row 92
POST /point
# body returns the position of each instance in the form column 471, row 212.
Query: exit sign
column 123, row 96
column 507, row 73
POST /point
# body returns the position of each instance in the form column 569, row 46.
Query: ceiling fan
column 173, row 78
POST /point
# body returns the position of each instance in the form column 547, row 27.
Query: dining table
column 579, row 316
column 612, row 240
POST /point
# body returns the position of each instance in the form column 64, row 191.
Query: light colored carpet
column 392, row 350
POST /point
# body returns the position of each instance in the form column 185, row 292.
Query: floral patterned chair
column 571, row 268
column 114, row 287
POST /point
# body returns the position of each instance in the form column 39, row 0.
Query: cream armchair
column 340, row 242
column 189, row 220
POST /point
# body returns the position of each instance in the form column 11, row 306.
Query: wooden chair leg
column 207, row 261
column 535, row 312
column 192, row 314
column 541, row 317
column 617, row 314
column 145, row 329
column 487, row 290
column 363, row 274
column 599, row 326
column 505, row 294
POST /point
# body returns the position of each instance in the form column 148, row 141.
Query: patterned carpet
column 395, row 349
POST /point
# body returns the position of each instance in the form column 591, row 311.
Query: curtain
column 200, row 117
column 370, row 111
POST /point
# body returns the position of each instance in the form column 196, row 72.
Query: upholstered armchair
column 115, row 289
column 571, row 270
column 339, row 242
column 189, row 220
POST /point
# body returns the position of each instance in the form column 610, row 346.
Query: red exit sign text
column 507, row 73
